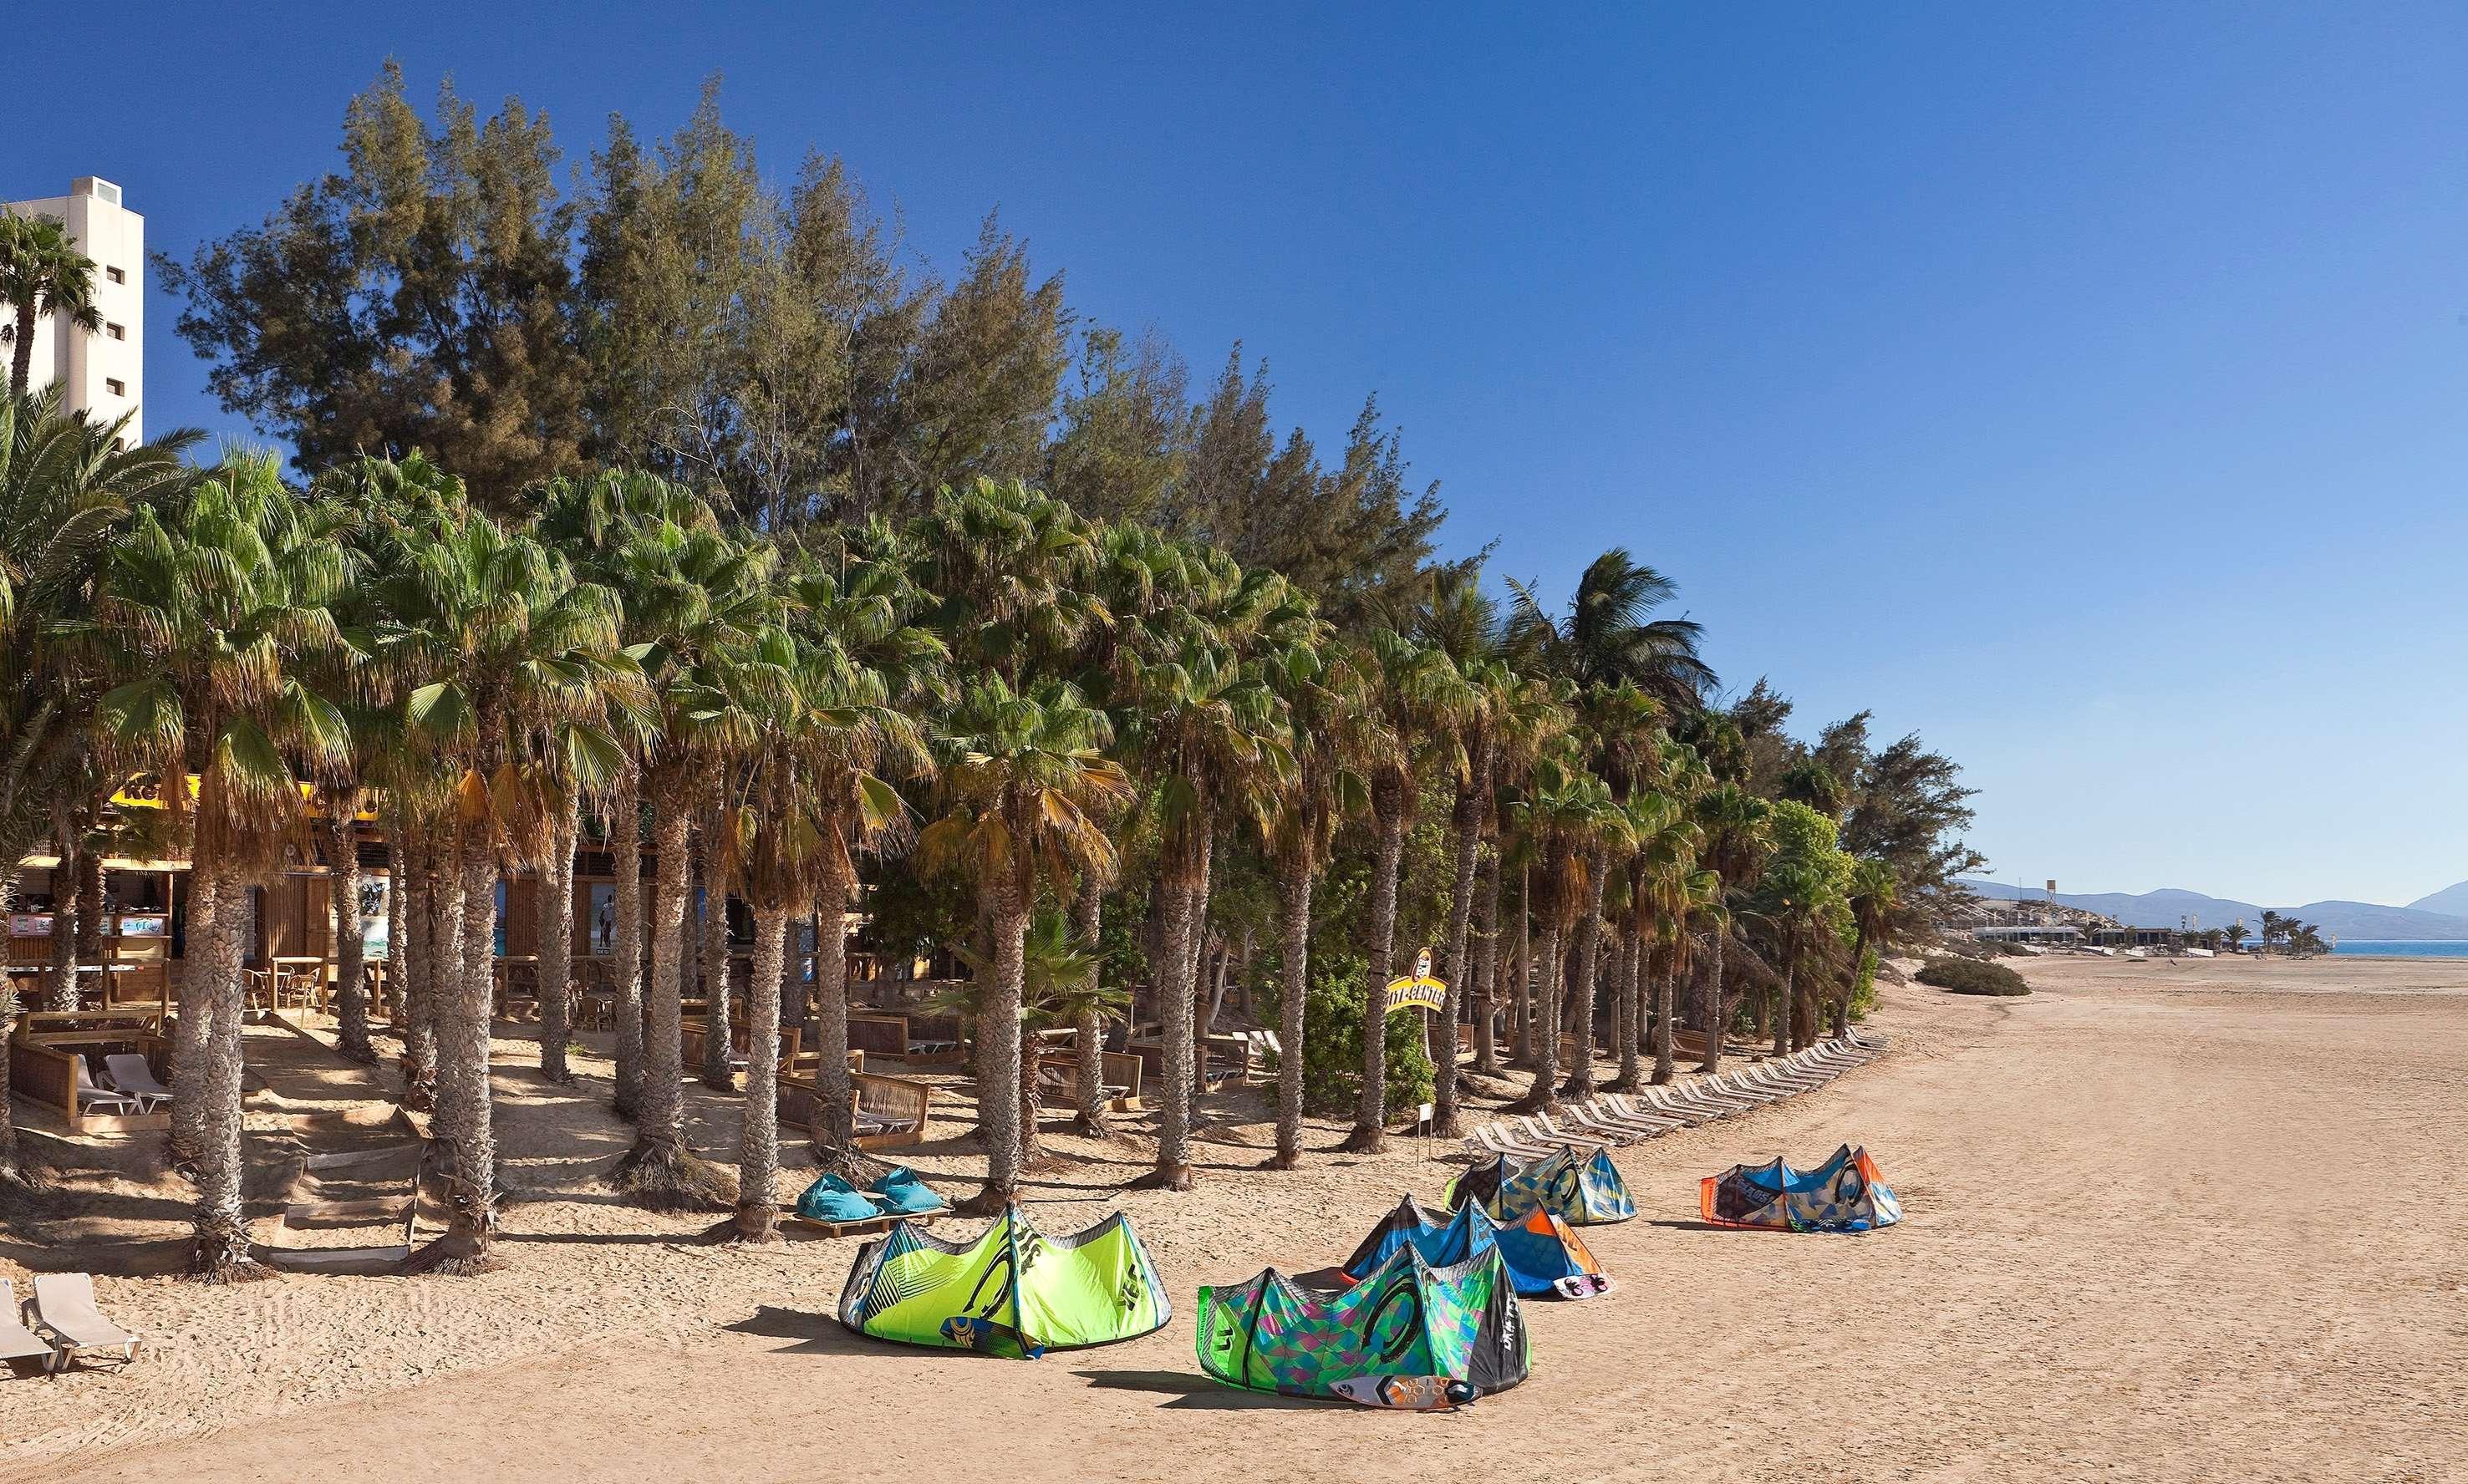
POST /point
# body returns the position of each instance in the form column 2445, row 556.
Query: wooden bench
column 1059, row 1080
column 741, row 1037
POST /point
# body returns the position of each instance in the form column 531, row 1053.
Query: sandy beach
column 2165, row 1220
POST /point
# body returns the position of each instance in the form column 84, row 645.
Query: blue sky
column 2084, row 387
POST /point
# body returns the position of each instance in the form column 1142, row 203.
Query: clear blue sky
column 2084, row 387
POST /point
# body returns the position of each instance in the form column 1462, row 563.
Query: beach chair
column 63, row 1312
column 128, row 1073
column 93, row 1098
column 1667, row 1100
column 1498, row 1139
column 1641, row 1107
column 1693, row 1097
column 1543, row 1131
column 17, row 1341
column 1779, row 1080
column 1613, row 1112
column 1599, row 1123
column 1737, row 1085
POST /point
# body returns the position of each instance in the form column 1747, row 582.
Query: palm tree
column 1459, row 620
column 496, row 642
column 629, row 531
column 66, row 487
column 1563, row 817
column 1416, row 695
column 211, row 610
column 701, row 594
column 1323, row 700
column 1872, row 895
column 1212, row 732
column 41, row 272
column 1608, row 635
column 1023, row 786
column 1736, row 825
column 857, row 607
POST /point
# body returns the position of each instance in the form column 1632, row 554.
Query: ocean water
column 2401, row 948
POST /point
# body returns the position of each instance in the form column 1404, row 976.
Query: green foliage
column 1971, row 976
column 1332, row 1042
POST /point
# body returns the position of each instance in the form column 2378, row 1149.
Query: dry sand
column 2164, row 1220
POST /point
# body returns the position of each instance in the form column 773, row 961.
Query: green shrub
column 1332, row 1042
column 1971, row 976
column 1863, row 990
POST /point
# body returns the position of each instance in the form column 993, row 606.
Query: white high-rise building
column 102, row 373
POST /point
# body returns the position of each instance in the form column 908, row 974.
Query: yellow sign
column 1417, row 990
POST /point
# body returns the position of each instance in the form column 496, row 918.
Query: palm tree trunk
column 350, row 949
column 1625, row 974
column 829, row 1118
column 659, row 1170
column 89, row 901
column 1087, row 1030
column 21, row 360
column 793, row 986
column 626, row 851
column 464, row 1105
column 1370, row 1133
column 556, row 974
column 1465, row 818
column 1524, row 989
column 998, row 1031
column 717, row 1037
column 1783, row 997
column 1590, row 942
column 192, row 1032
column 1294, row 910
column 11, row 1171
column 1549, row 968
column 398, row 907
column 1179, row 892
column 758, row 1144
column 1199, row 1029
column 1664, row 992
column 60, row 977
column 220, row 1253
column 436, row 940
column 1486, row 968
column 1718, row 1020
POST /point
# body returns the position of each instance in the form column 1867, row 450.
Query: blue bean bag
column 900, row 1189
column 831, row 1198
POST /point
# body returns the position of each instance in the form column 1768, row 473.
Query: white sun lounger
column 17, row 1341
column 1680, row 1103
column 92, row 1096
column 1642, row 1104
column 128, row 1073
column 1496, row 1139
column 63, row 1312
column 1607, row 1117
column 1540, row 1127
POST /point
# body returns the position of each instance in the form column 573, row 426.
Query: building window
column 116, row 388
column 116, row 331
column 115, row 275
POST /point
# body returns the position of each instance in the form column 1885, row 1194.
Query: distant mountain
column 2452, row 901
column 2166, row 907
column 2170, row 906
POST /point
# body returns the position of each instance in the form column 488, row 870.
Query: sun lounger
column 93, row 1098
column 1694, row 1097
column 1775, row 1077
column 63, row 1312
column 1597, row 1117
column 17, row 1341
column 1612, row 1111
column 1736, row 1085
column 1543, row 1130
column 1501, row 1139
column 1641, row 1106
column 128, row 1073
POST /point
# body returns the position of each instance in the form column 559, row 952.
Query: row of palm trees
column 1002, row 688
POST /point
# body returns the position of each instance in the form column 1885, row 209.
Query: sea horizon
column 2401, row 948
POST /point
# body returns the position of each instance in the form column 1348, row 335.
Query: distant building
column 102, row 374
column 2030, row 932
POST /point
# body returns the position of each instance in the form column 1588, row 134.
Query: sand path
column 2188, row 1227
